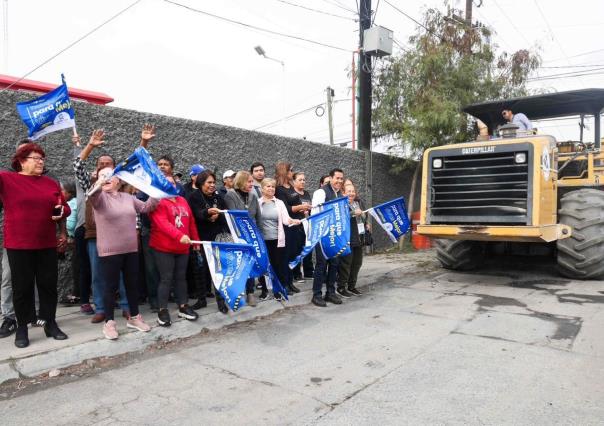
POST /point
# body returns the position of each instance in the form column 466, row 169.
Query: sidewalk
column 86, row 340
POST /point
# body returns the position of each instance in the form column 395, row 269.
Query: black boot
column 201, row 303
column 52, row 329
column 21, row 339
column 294, row 289
column 222, row 307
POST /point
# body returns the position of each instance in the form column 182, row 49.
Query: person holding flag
column 326, row 269
column 117, row 242
column 172, row 229
column 274, row 218
column 350, row 265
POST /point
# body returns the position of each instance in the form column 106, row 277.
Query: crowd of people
column 129, row 249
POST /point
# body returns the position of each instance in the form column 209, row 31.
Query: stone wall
column 215, row 146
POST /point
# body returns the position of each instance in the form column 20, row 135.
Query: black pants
column 199, row 280
column 349, row 267
column 326, row 271
column 111, row 266
column 29, row 268
column 172, row 270
column 81, row 253
column 278, row 259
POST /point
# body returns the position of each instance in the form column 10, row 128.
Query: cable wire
column 408, row 16
column 317, row 11
column 69, row 46
column 243, row 24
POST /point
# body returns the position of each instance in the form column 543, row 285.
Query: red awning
column 41, row 87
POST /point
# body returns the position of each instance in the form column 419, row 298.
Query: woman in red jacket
column 172, row 229
column 33, row 204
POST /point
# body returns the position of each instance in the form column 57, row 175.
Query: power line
column 375, row 12
column 317, row 11
column 243, row 24
column 407, row 16
column 564, row 76
column 577, row 55
column 572, row 72
column 295, row 114
column 69, row 46
column 574, row 66
column 511, row 22
column 340, row 5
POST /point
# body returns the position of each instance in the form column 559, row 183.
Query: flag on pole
column 230, row 265
column 140, row 171
column 244, row 230
column 393, row 217
column 48, row 113
column 315, row 227
column 337, row 241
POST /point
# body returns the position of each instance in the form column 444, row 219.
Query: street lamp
column 260, row 51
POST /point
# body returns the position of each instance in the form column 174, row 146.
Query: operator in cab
column 519, row 119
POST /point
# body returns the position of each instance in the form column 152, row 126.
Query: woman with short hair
column 31, row 244
column 243, row 197
column 115, row 214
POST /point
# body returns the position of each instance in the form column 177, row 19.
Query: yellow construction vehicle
column 499, row 193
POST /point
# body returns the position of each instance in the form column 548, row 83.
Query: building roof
column 538, row 107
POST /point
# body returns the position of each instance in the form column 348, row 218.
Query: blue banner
column 244, row 230
column 273, row 283
column 48, row 113
column 337, row 241
column 393, row 217
column 316, row 226
column 140, row 171
column 230, row 265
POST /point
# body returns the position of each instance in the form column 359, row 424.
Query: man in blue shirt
column 519, row 119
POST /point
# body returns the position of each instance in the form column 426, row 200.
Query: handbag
column 367, row 238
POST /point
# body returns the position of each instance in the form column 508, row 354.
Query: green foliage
column 418, row 96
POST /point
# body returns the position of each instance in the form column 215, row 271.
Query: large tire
column 582, row 255
column 460, row 255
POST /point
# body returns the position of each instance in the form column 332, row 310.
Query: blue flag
column 140, row 171
column 393, row 217
column 337, row 241
column 316, row 226
column 230, row 265
column 244, row 230
column 48, row 113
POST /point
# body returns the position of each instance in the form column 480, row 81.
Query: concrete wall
column 213, row 145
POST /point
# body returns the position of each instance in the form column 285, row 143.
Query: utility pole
column 469, row 12
column 364, row 79
column 330, row 95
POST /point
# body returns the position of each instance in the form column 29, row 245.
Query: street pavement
column 512, row 343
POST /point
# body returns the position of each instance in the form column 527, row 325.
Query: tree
column 418, row 96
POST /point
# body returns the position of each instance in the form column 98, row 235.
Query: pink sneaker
column 138, row 323
column 110, row 330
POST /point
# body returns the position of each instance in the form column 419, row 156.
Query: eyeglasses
column 37, row 159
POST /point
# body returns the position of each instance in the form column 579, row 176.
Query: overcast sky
column 164, row 59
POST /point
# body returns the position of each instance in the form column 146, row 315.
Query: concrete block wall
column 215, row 146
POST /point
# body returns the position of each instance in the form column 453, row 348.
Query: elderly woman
column 117, row 244
column 274, row 218
column 31, row 244
column 243, row 197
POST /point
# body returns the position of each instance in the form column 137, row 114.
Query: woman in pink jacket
column 273, row 217
column 172, row 229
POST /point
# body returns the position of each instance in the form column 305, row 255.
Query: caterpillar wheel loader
column 498, row 193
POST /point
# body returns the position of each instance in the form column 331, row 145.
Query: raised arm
column 79, row 163
column 147, row 134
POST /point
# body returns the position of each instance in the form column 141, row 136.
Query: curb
column 133, row 341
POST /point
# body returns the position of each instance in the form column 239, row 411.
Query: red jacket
column 169, row 222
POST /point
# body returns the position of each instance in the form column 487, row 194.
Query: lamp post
column 260, row 51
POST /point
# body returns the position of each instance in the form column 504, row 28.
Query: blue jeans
column 98, row 285
column 326, row 271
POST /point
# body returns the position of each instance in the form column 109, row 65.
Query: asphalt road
column 505, row 345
